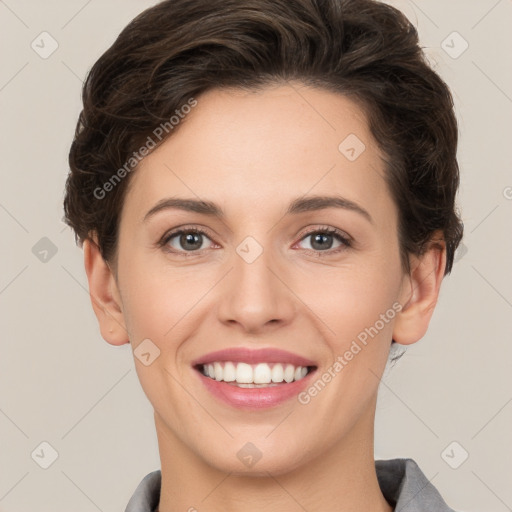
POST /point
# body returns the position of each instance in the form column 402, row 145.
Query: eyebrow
column 299, row 205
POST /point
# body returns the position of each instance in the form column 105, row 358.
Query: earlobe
column 420, row 292
column 105, row 297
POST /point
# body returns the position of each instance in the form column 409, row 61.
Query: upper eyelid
column 181, row 229
column 345, row 237
column 185, row 229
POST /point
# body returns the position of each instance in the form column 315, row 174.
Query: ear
column 420, row 291
column 104, row 293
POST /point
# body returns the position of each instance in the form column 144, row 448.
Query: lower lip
column 254, row 398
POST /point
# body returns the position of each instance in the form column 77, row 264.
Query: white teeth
column 229, row 372
column 250, row 376
column 300, row 372
column 217, row 369
column 277, row 373
column 262, row 374
column 244, row 373
column 289, row 373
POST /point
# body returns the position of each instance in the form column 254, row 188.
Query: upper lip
column 252, row 356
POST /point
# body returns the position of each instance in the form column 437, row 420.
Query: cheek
column 153, row 293
column 352, row 298
column 359, row 307
column 347, row 298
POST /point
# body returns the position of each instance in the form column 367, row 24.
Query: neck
column 343, row 479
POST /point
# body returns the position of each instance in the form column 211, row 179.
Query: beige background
column 60, row 383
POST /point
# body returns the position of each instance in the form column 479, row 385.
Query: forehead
column 241, row 148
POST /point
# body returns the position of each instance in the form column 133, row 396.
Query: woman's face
column 270, row 286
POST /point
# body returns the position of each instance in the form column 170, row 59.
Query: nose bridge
column 253, row 266
column 254, row 295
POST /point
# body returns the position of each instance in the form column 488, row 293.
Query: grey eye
column 187, row 241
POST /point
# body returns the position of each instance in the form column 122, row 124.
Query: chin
column 258, row 457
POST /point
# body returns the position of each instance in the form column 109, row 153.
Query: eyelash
column 344, row 239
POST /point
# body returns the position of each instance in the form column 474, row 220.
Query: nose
column 255, row 296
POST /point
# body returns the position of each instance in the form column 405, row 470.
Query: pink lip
column 254, row 398
column 251, row 356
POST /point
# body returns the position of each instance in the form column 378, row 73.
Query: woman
column 265, row 194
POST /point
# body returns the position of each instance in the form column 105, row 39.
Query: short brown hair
column 178, row 49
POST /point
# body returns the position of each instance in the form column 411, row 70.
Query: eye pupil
column 195, row 239
column 192, row 240
column 319, row 239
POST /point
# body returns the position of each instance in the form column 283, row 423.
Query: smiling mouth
column 260, row 375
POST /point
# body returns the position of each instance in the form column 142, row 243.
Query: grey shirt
column 402, row 482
